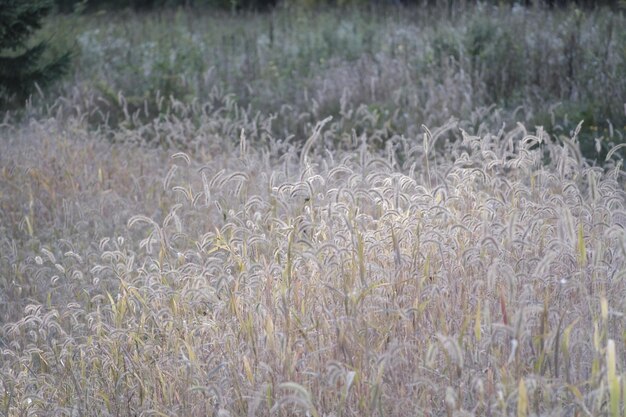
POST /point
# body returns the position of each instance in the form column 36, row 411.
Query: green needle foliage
column 22, row 65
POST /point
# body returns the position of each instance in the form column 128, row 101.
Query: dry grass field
column 207, row 256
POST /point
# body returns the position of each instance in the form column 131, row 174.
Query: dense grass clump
column 446, row 274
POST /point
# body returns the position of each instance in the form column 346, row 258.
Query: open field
column 223, row 254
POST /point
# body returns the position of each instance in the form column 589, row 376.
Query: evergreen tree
column 21, row 65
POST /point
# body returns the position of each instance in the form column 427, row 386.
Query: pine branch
column 19, row 19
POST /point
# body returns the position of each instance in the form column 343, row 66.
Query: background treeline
column 66, row 6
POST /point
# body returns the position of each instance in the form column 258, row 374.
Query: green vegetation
column 143, row 5
column 302, row 214
column 21, row 68
column 482, row 66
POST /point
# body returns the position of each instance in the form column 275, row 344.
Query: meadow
column 340, row 212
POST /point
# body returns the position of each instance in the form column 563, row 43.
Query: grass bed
column 256, row 277
column 213, row 255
